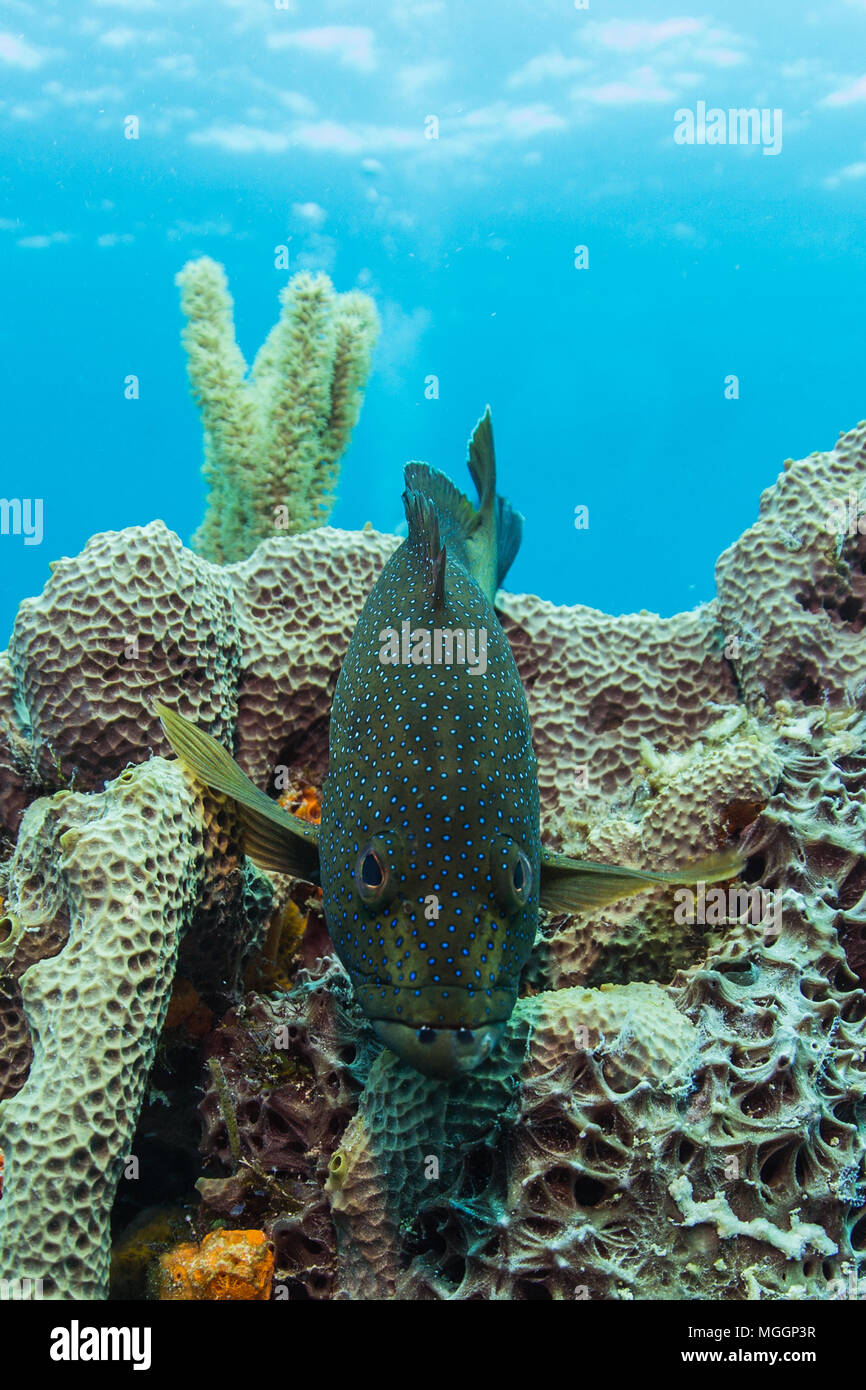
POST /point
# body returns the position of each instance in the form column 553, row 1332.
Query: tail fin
column 486, row 538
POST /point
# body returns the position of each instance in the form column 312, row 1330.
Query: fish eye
column 521, row 876
column 375, row 880
column 512, row 875
column 372, row 873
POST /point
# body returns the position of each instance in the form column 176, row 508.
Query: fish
column 429, row 851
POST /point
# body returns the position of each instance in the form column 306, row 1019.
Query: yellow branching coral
column 274, row 435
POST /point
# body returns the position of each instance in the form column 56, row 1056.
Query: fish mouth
column 440, row 1052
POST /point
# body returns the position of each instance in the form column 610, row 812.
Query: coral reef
column 134, row 1260
column 15, row 770
column 286, row 1067
column 274, row 435
column 254, row 647
column 94, row 1011
column 792, row 589
column 298, row 601
column 599, row 688
column 699, row 1140
column 677, row 1108
column 133, row 615
column 683, row 803
column 99, row 893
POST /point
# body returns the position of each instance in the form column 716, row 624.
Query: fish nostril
column 427, row 1036
column 465, row 1036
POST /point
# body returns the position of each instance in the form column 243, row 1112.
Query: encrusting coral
column 133, row 615
column 227, row 1266
column 253, row 647
column 101, row 890
column 94, row 1010
column 677, row 1106
column 273, row 435
column 792, row 589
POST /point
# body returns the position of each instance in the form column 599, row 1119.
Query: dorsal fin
column 425, row 537
column 484, row 539
column 456, row 514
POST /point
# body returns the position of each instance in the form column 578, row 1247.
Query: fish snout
column 440, row 1052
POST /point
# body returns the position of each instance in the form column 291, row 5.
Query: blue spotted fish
column 429, row 851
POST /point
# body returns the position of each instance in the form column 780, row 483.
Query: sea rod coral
column 673, row 1110
column 274, row 435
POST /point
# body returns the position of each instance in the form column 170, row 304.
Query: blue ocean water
column 263, row 124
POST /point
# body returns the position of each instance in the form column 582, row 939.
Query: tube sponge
column 274, row 435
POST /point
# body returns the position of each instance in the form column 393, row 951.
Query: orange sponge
column 226, row 1266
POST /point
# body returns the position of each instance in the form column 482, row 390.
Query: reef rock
column 677, row 1107
column 792, row 589
column 99, row 893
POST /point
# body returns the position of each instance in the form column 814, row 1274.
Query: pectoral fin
column 576, row 885
column 272, row 837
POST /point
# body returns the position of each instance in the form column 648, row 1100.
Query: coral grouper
column 429, row 851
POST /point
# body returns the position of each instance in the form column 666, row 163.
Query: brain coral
column 677, row 1108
